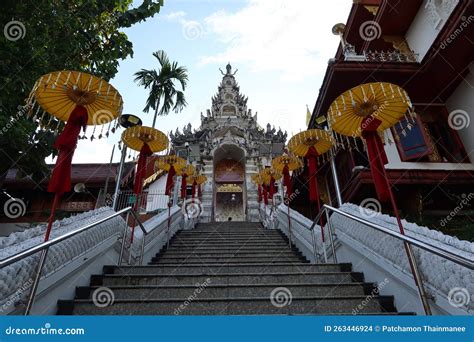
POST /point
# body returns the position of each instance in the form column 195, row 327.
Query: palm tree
column 162, row 86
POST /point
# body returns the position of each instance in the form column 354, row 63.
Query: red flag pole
column 312, row 155
column 51, row 216
column 409, row 252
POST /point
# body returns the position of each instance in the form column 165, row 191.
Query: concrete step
column 227, row 236
column 237, row 306
column 301, row 268
column 230, row 225
column 224, row 239
column 224, row 260
column 222, row 291
column 222, row 233
column 227, row 243
column 229, row 232
column 230, row 249
column 177, row 278
column 223, row 254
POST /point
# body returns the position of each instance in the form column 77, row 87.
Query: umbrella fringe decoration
column 53, row 95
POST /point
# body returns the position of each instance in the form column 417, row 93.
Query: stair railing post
column 331, row 239
column 142, row 252
column 34, row 287
column 313, row 241
column 122, row 248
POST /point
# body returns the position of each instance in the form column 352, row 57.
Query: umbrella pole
column 168, row 226
column 411, row 257
column 51, row 217
column 289, row 218
column 318, row 202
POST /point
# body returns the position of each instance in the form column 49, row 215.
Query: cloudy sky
column 279, row 47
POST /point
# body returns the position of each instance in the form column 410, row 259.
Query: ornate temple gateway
column 229, row 147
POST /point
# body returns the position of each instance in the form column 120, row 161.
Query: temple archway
column 229, row 195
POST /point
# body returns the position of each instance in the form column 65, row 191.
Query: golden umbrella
column 284, row 164
column 257, row 179
column 197, row 180
column 185, row 172
column 385, row 101
column 311, row 144
column 74, row 97
column 366, row 111
column 137, row 136
column 301, row 143
column 146, row 140
column 59, row 92
column 173, row 165
column 269, row 176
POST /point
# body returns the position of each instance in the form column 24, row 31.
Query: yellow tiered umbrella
column 137, row 136
column 173, row 165
column 286, row 160
column 269, row 176
column 301, row 143
column 387, row 102
column 185, row 172
column 77, row 98
column 197, row 180
column 366, row 111
column 146, row 140
column 284, row 164
column 268, row 173
column 59, row 92
column 311, row 144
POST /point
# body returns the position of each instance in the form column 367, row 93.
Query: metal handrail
column 444, row 253
column 44, row 248
column 23, row 254
column 407, row 240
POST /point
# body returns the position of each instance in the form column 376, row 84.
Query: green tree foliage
column 51, row 35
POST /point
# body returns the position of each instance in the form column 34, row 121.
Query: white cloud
column 293, row 38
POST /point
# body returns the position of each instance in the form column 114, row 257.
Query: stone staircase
column 231, row 268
